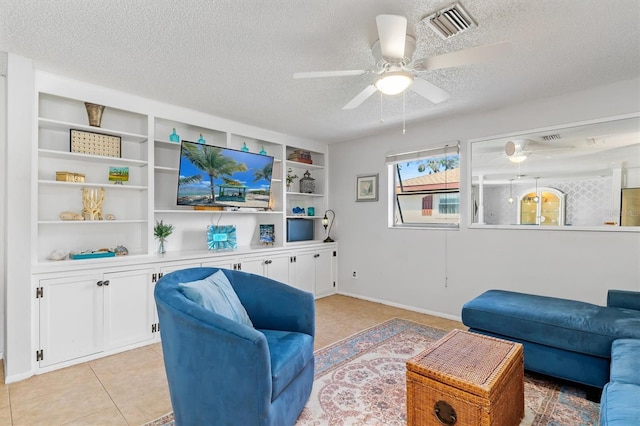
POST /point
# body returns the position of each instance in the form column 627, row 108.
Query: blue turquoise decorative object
column 221, row 237
column 311, row 211
column 298, row 210
column 173, row 137
column 244, row 148
column 91, row 255
column 263, row 152
column 201, row 139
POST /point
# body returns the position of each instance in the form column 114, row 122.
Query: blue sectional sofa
column 576, row 341
column 620, row 402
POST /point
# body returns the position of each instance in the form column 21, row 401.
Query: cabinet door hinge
column 39, row 292
column 40, row 355
column 335, row 253
column 154, row 277
column 155, row 328
column 334, row 283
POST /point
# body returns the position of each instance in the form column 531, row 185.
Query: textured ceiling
column 235, row 59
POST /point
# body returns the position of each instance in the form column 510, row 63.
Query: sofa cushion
column 290, row 353
column 624, row 299
column 625, row 362
column 216, row 294
column 560, row 323
column 619, row 404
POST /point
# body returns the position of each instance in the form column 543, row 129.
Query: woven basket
column 469, row 379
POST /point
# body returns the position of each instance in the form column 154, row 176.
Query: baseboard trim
column 16, row 377
column 401, row 306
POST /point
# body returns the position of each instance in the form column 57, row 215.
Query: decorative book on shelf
column 301, row 156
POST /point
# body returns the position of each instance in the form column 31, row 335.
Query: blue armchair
column 221, row 372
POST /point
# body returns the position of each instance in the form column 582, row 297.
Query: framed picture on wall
column 367, row 187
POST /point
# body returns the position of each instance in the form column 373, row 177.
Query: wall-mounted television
column 213, row 176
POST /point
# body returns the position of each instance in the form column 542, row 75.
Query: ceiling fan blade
column 392, row 32
column 316, row 74
column 472, row 55
column 429, row 91
column 361, row 97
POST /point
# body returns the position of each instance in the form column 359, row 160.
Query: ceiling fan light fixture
column 518, row 158
column 394, row 82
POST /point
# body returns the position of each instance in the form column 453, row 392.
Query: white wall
column 3, row 185
column 437, row 271
column 20, row 122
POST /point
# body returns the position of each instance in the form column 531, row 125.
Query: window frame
column 452, row 148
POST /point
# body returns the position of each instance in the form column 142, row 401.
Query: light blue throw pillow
column 216, row 294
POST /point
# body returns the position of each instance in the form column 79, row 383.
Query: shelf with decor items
column 51, row 124
column 191, row 222
column 300, row 162
column 92, row 180
column 305, row 196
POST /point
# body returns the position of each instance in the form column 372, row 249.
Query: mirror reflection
column 582, row 175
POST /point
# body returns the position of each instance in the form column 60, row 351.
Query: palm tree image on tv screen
column 216, row 176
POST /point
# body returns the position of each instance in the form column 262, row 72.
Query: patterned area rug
column 361, row 381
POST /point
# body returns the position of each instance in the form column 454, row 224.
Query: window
column 426, row 188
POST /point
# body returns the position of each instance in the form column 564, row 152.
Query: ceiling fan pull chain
column 381, row 118
column 404, row 129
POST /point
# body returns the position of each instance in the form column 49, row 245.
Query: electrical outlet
column 354, row 274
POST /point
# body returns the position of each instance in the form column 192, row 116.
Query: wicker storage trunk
column 466, row 379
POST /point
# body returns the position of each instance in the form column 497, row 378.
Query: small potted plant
column 290, row 178
column 161, row 232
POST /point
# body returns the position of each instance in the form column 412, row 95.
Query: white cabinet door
column 278, row 268
column 253, row 266
column 177, row 267
column 71, row 318
column 129, row 307
column 221, row 263
column 304, row 271
column 313, row 271
column 323, row 273
column 274, row 266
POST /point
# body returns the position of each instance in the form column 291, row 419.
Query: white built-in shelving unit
column 151, row 192
column 85, row 309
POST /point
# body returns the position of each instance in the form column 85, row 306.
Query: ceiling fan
column 396, row 71
column 518, row 150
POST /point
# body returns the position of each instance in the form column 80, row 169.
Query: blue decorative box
column 91, row 255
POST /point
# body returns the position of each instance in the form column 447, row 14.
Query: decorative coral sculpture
column 92, row 203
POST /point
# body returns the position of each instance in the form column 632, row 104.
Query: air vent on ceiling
column 553, row 137
column 450, row 21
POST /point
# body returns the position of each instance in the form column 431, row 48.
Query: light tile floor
column 130, row 388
